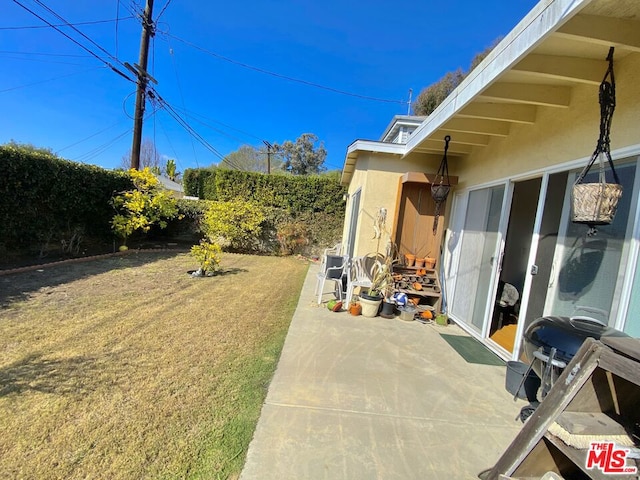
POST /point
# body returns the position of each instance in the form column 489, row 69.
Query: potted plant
column 382, row 283
column 355, row 308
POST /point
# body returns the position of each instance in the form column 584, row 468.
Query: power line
column 163, row 9
column 74, row 41
column 45, row 54
column 100, row 149
column 284, row 77
column 88, row 138
column 184, row 124
column 193, row 114
column 59, row 17
column 173, row 63
column 49, row 80
column 117, row 18
column 44, row 61
column 93, row 22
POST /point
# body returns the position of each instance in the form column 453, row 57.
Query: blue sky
column 54, row 94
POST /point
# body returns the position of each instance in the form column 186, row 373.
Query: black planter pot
column 388, row 309
column 370, row 297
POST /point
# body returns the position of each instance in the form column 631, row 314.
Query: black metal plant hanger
column 439, row 189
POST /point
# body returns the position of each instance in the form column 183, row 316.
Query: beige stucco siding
column 379, row 177
column 559, row 135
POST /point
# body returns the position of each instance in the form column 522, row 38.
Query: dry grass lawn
column 126, row 367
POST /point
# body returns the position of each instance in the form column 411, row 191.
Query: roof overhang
column 366, row 146
column 559, row 45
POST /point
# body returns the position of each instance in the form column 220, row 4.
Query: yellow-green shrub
column 208, row 255
column 144, row 206
column 236, row 224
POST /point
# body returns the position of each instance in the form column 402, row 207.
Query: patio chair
column 335, row 250
column 358, row 275
column 334, row 267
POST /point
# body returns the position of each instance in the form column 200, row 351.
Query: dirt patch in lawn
column 126, row 367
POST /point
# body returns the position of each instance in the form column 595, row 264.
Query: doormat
column 472, row 350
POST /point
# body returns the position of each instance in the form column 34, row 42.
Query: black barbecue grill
column 551, row 342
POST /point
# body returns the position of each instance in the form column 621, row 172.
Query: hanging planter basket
column 440, row 188
column 596, row 203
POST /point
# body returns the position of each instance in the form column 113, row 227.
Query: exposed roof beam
column 500, row 111
column 463, row 138
column 617, row 32
column 476, row 125
column 430, row 146
column 574, row 69
column 546, row 95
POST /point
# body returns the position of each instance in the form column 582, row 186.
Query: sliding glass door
column 589, row 270
column 479, row 247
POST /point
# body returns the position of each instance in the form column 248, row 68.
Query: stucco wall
column 559, row 134
column 379, row 177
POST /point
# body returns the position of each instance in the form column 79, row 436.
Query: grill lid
column 566, row 334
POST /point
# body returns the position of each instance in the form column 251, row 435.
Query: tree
column 144, row 206
column 171, row 170
column 432, row 96
column 246, row 158
column 302, row 157
column 149, row 156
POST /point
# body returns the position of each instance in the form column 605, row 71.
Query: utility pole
column 143, row 77
column 269, row 147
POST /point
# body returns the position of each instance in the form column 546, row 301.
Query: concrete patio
column 372, row 398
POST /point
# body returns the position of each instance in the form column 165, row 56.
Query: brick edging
column 31, row 268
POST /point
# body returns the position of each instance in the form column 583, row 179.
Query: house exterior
column 523, row 124
column 174, row 187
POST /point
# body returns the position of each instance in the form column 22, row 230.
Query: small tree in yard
column 142, row 207
column 208, row 256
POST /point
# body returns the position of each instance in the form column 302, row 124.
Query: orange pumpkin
column 428, row 314
column 417, row 286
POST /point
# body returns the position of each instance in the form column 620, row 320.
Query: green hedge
column 45, row 200
column 297, row 194
column 306, row 211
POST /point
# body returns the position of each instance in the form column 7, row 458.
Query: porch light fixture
column 439, row 188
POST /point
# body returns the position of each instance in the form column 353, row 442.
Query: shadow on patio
column 357, row 397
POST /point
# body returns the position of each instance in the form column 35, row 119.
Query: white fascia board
column 546, row 17
column 375, row 147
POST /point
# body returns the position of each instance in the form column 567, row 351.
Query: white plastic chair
column 335, row 250
column 358, row 276
column 334, row 267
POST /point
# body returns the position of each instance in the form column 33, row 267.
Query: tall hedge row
column 297, row 194
column 44, row 199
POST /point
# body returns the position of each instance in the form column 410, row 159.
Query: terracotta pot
column 410, row 259
column 355, row 309
column 419, row 262
column 430, row 263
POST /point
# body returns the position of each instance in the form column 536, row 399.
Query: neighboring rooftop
column 401, row 128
